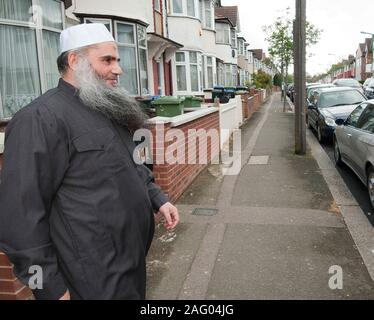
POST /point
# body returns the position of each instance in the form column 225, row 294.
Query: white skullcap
column 83, row 35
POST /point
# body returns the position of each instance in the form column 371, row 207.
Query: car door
column 313, row 112
column 361, row 140
column 345, row 139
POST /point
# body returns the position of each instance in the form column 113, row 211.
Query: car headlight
column 330, row 122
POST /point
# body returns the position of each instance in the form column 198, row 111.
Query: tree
column 262, row 80
column 280, row 39
column 277, row 80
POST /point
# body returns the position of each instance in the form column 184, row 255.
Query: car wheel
column 337, row 155
column 370, row 185
column 319, row 134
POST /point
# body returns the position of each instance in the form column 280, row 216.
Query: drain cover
column 263, row 160
column 205, row 212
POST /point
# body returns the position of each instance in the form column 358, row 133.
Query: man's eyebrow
column 110, row 57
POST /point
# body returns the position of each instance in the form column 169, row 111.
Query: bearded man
column 73, row 200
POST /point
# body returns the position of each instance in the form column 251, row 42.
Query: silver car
column 354, row 144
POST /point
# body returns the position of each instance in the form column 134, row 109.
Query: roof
column 230, row 12
column 258, row 53
column 369, row 43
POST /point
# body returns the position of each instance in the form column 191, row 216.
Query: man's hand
column 66, row 296
column 170, row 214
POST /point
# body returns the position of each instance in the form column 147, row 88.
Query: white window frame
column 203, row 10
column 138, row 46
column 103, row 21
column 135, row 45
column 35, row 23
column 187, row 64
column 233, row 38
column 206, row 65
column 185, row 9
column 157, row 8
column 226, row 31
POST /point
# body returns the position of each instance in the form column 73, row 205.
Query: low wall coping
column 184, row 118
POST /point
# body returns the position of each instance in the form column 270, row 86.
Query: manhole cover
column 205, row 212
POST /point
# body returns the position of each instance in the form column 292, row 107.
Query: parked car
column 330, row 104
column 348, row 82
column 310, row 90
column 366, row 83
column 354, row 144
column 369, row 88
column 289, row 90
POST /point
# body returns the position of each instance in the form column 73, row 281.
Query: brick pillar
column 10, row 287
column 245, row 103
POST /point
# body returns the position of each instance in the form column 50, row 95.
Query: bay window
column 228, row 75
column 188, row 71
column 233, row 38
column 184, row 7
column 234, row 75
column 209, row 72
column 29, row 38
column 222, row 33
column 206, row 13
column 132, row 49
column 220, row 73
column 241, row 47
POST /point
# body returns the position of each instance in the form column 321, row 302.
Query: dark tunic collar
column 67, row 87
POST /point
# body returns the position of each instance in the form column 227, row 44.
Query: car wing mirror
column 311, row 106
column 340, row 122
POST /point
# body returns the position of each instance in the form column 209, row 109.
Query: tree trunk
column 282, row 75
column 286, row 86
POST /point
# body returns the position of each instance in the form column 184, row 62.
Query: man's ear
column 72, row 60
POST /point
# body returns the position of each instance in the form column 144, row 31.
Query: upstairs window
column 233, row 38
column 222, row 33
column 184, row 7
column 206, row 15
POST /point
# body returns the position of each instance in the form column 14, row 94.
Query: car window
column 348, row 83
column 340, row 98
column 366, row 121
column 355, row 115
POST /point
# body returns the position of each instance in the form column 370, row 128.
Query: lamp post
column 372, row 50
column 300, row 86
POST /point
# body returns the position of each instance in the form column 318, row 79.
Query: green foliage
column 277, row 80
column 280, row 39
column 261, row 80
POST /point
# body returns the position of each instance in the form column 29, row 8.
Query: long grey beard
column 113, row 102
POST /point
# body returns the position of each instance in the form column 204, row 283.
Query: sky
column 341, row 22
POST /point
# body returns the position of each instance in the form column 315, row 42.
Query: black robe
column 73, row 201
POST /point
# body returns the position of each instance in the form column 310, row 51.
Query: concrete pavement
column 277, row 233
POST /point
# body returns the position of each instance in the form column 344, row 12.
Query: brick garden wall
column 174, row 179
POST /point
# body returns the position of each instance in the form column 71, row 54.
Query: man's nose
column 117, row 70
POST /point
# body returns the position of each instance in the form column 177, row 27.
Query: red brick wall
column 10, row 287
column 174, row 179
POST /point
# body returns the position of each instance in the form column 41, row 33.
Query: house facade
column 167, row 47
